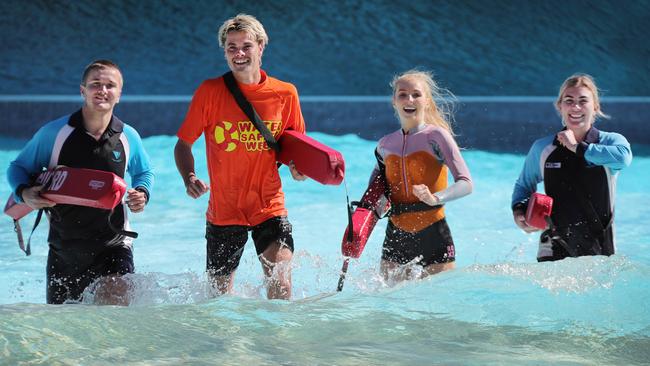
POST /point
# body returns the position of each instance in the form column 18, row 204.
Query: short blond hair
column 243, row 23
column 577, row 80
column 441, row 101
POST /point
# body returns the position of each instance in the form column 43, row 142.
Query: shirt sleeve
column 375, row 197
column 530, row 175
column 612, row 151
column 34, row 157
column 294, row 118
column 139, row 167
column 446, row 149
column 197, row 116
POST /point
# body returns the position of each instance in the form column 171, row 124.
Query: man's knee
column 276, row 252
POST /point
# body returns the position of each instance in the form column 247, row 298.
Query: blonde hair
column 243, row 23
column 439, row 113
column 578, row 80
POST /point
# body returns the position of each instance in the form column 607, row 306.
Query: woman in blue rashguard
column 578, row 166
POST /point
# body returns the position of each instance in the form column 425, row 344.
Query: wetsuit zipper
column 406, row 187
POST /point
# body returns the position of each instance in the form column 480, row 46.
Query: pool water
column 498, row 307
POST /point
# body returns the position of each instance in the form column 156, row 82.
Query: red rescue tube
column 16, row 210
column 365, row 217
column 539, row 208
column 311, row 158
column 75, row 186
column 363, row 222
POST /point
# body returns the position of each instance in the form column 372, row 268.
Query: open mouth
column 241, row 62
column 409, row 110
column 576, row 117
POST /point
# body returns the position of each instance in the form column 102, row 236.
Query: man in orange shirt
column 245, row 187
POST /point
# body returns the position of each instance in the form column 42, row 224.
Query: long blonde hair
column 577, row 80
column 441, row 101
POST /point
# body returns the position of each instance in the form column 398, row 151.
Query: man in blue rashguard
column 83, row 246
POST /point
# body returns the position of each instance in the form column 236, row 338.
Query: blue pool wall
column 492, row 124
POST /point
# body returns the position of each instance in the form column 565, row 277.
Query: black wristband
column 519, row 206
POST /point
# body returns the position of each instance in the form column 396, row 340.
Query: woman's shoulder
column 544, row 141
column 391, row 136
column 438, row 135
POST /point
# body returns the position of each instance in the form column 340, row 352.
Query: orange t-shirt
column 245, row 187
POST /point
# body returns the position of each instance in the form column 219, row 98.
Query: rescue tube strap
column 28, row 248
column 19, row 234
column 250, row 112
column 346, row 261
column 344, row 271
column 350, row 209
column 130, row 234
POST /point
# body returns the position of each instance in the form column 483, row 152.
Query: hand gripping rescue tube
column 311, row 158
column 72, row 186
column 75, row 186
column 539, row 209
column 362, row 221
column 365, row 217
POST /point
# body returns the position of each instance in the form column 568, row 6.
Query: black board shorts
column 431, row 245
column 225, row 244
column 74, row 265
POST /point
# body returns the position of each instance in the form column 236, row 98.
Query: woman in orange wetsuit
column 413, row 162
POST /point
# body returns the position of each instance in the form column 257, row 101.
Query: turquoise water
column 499, row 307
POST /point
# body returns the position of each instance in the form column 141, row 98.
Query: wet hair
column 98, row 65
column 578, row 80
column 243, row 23
column 441, row 101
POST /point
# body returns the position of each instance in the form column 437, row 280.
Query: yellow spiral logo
column 225, row 137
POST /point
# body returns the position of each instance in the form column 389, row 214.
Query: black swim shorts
column 432, row 244
column 225, row 244
column 73, row 265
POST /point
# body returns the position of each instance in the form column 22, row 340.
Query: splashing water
column 498, row 307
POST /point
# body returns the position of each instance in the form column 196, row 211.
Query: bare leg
column 276, row 263
column 222, row 283
column 112, row 290
column 392, row 272
column 436, row 268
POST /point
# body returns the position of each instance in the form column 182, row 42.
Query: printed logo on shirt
column 554, row 165
column 117, row 156
column 228, row 135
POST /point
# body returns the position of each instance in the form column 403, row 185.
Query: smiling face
column 102, row 89
column 242, row 52
column 577, row 108
column 410, row 101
